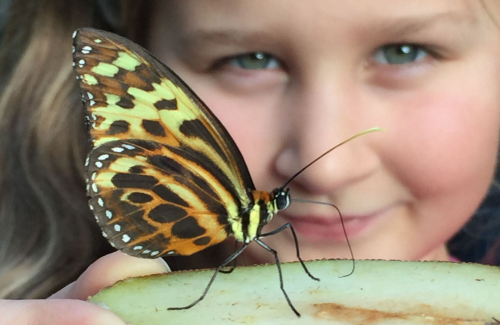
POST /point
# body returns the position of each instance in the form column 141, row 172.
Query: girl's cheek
column 444, row 140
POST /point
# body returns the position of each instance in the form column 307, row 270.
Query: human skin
column 68, row 306
column 426, row 174
column 402, row 193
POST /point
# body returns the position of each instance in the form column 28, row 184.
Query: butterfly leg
column 278, row 264
column 227, row 261
column 232, row 267
column 280, row 229
column 343, row 228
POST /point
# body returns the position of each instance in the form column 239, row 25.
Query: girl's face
column 290, row 79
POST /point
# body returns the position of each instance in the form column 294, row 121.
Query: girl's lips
column 324, row 229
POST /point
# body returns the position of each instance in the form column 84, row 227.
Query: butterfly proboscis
column 164, row 176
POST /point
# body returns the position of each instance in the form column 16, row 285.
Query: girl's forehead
column 226, row 14
column 264, row 22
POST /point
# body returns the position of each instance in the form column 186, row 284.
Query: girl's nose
column 322, row 113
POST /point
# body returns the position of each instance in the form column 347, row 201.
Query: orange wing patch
column 149, row 201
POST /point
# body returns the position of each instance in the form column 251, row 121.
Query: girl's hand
column 69, row 305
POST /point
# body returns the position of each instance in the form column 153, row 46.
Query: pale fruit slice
column 378, row 292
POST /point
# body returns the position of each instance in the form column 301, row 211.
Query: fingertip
column 135, row 266
column 164, row 265
column 110, row 269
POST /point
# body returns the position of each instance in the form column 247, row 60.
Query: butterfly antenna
column 327, row 152
column 343, row 228
column 329, row 204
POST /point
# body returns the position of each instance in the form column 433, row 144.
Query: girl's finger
column 108, row 270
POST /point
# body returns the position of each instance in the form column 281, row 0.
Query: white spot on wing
column 97, row 41
column 98, row 164
column 104, row 235
column 109, row 214
column 170, row 252
column 103, row 157
column 94, row 187
column 128, row 146
column 74, row 34
column 118, row 227
column 117, row 149
column 146, row 251
column 155, row 253
column 126, row 238
column 86, row 49
column 100, row 202
column 90, row 95
column 137, row 248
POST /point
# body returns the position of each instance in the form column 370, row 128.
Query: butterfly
column 164, row 176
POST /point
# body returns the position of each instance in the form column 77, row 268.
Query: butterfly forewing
column 183, row 164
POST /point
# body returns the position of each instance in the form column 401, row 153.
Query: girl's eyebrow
column 224, row 36
column 231, row 37
column 419, row 23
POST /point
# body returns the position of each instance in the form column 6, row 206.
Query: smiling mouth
column 330, row 229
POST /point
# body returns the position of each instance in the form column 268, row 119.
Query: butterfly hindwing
column 149, row 200
column 133, row 100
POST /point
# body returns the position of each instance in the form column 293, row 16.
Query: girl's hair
column 47, row 233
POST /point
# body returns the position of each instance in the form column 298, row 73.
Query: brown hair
column 47, row 234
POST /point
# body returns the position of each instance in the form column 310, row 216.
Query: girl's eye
column 254, row 61
column 400, row 54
